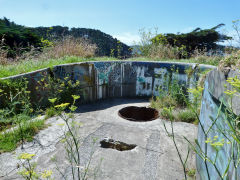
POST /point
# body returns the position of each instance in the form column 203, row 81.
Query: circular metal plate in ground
column 141, row 114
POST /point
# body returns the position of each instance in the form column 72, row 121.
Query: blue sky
column 124, row 18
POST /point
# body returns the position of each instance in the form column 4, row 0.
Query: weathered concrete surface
column 213, row 95
column 154, row 157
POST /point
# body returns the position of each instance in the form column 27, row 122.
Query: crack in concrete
column 149, row 170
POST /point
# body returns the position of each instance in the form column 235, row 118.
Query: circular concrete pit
column 141, row 114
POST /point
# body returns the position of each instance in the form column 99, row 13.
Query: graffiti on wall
column 112, row 79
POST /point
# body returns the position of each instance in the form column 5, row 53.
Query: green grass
column 50, row 112
column 179, row 115
column 161, row 102
column 9, row 140
column 32, row 65
column 201, row 60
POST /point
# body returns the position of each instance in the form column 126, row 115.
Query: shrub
column 167, row 113
column 231, row 61
column 187, row 116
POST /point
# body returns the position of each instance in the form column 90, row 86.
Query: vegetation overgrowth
column 175, row 102
column 19, row 112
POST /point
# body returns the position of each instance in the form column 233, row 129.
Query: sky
column 124, row 18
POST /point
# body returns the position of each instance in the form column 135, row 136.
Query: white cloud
column 128, row 38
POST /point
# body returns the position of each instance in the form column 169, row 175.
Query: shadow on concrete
column 107, row 103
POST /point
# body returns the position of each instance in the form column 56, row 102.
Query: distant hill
column 16, row 36
column 107, row 45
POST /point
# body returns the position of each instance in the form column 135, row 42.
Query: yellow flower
column 77, row 83
column 228, row 92
column 53, row 100
column 73, row 108
column 208, row 140
column 217, row 144
column 26, row 156
column 61, row 124
column 75, row 97
column 47, row 174
column 196, row 92
column 63, row 105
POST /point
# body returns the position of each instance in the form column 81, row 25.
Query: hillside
column 107, row 45
column 21, row 37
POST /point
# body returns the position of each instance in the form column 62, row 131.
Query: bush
column 187, row 116
column 231, row 61
column 167, row 113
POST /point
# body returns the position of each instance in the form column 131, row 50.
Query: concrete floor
column 154, row 158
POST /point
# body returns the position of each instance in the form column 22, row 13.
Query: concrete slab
column 154, row 157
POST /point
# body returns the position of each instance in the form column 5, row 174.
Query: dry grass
column 231, row 61
column 70, row 46
column 3, row 53
column 203, row 57
column 163, row 52
column 3, row 57
column 67, row 46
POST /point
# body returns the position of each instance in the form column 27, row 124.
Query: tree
column 202, row 39
column 17, row 37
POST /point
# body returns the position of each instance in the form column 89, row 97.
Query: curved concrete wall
column 106, row 79
column 211, row 110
